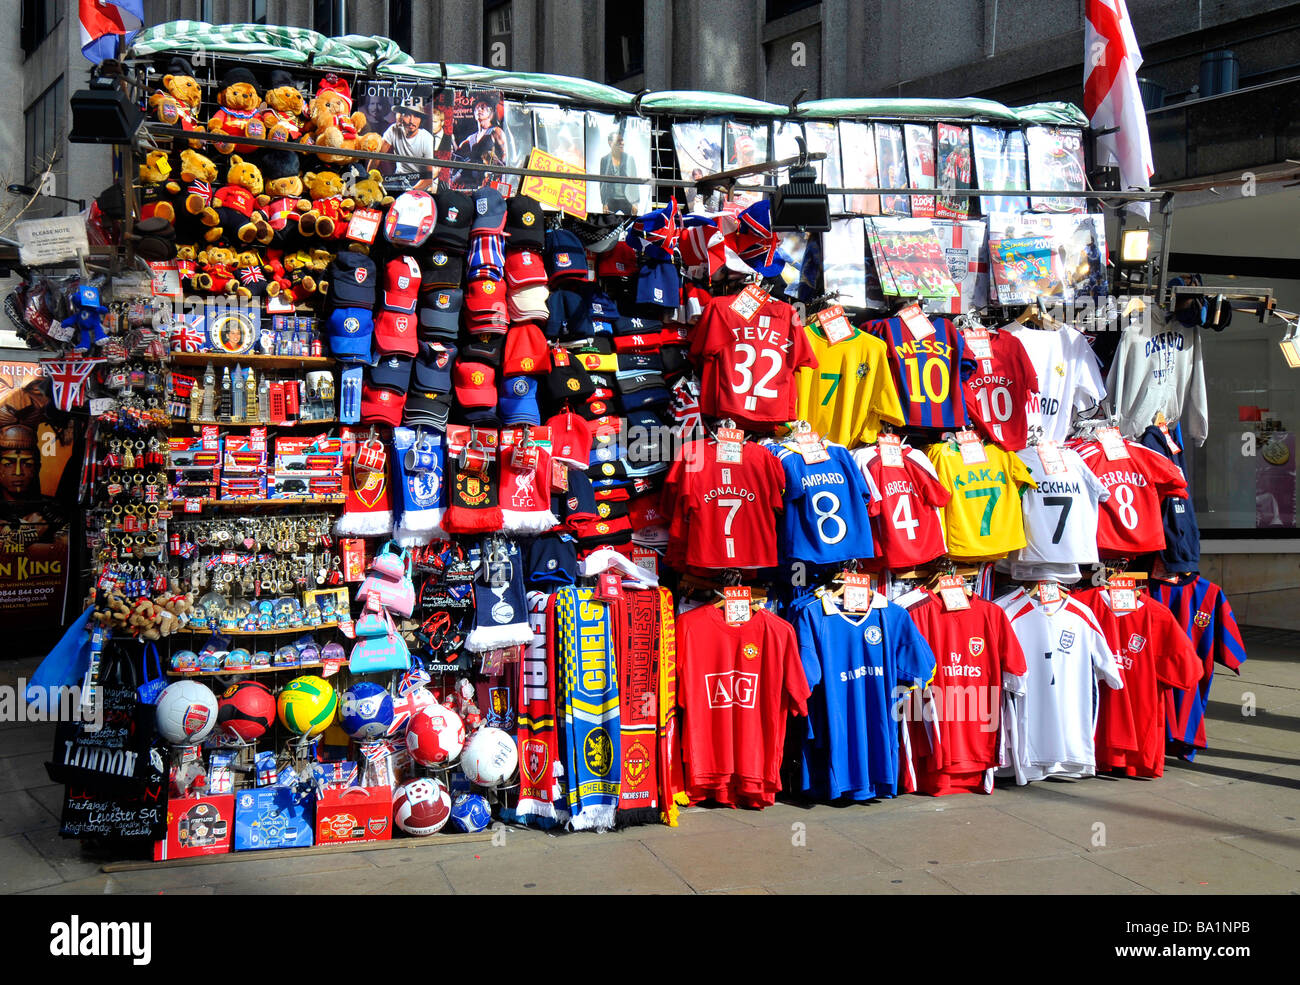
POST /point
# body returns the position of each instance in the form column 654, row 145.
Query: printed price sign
column 1112, row 443
column 748, row 302
column 977, row 340
column 917, row 324
column 363, row 225
column 1123, row 594
column 833, row 324
column 971, row 448
column 807, row 444
column 565, row 194
column 731, row 442
column 1049, row 453
column 953, row 592
column 857, row 592
column 891, row 450
column 736, row 605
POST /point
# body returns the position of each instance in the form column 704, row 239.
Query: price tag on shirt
column 364, row 225
column 977, row 340
column 1112, row 443
column 748, row 302
column 1049, row 592
column 952, row 590
column 735, row 605
column 1049, row 453
column 857, row 592
column 971, row 448
column 917, row 324
column 891, row 450
column 1123, row 594
column 810, row 446
column 1170, row 443
column 731, row 443
column 833, row 324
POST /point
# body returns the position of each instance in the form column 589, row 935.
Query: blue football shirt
column 825, row 520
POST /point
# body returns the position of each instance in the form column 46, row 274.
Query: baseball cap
column 349, row 331
column 566, row 259
column 391, row 372
column 518, row 400
column 440, row 313
column 475, row 384
column 659, row 284
column 485, row 304
column 455, row 212
column 489, row 212
column 352, row 280
column 570, row 439
column 432, row 367
column 426, row 408
column 618, row 262
column 395, row 332
column 401, row 283
column 524, row 268
column 524, row 222
column 441, row 268
column 551, row 559
column 529, row 304
column 483, row 347
column 380, row 406
column 526, row 350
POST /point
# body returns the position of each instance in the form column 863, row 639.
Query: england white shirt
column 1060, row 517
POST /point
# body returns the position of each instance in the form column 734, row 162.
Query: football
column 490, row 757
column 421, row 807
column 471, row 813
column 246, row 711
column 187, row 713
column 366, row 711
column 435, row 735
column 307, row 705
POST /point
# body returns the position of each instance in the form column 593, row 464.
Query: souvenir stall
column 485, row 446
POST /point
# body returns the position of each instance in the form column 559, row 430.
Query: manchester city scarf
column 672, row 783
column 638, row 696
column 541, row 774
column 583, row 633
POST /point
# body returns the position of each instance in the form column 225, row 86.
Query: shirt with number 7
column 850, row 390
column 983, row 519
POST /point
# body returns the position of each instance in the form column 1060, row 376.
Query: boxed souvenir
column 240, row 486
column 197, row 826
column 354, row 814
column 243, row 454
column 320, row 456
column 272, row 817
column 195, row 452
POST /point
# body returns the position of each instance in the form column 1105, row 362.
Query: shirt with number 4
column 905, row 503
column 747, row 360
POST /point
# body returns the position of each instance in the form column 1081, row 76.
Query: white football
column 186, row 713
column 490, row 757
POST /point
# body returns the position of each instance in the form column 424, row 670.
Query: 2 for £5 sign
column 566, row 194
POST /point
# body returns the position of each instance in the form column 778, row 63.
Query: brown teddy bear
column 284, row 108
column 283, row 200
column 330, row 211
column 187, row 266
column 234, row 214
column 239, row 104
column 177, row 102
column 197, row 174
column 216, row 274
column 331, row 122
column 250, row 276
column 158, row 187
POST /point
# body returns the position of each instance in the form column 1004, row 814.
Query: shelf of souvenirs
column 279, row 631
column 251, row 503
column 249, row 359
column 224, row 671
column 206, row 422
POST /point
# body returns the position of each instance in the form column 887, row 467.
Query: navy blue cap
column 352, row 280
column 392, row 373
column 432, row 367
column 489, row 212
column 648, row 397
column 568, row 318
column 637, row 326
column 552, row 560
column 455, row 212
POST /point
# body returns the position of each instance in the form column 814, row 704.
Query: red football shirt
column 747, row 364
column 975, row 649
column 905, row 523
column 997, row 392
column 723, row 514
column 1130, row 521
column 736, row 686
column 1153, row 653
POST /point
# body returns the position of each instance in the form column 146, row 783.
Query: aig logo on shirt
column 731, row 689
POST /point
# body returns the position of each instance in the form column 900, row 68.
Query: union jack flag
column 413, row 678
column 756, row 243
column 251, row 275
column 68, row 379
column 658, row 230
column 186, row 336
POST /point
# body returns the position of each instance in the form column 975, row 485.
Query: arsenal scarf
column 638, row 696
column 541, row 773
column 368, row 510
column 672, row 783
column 581, row 628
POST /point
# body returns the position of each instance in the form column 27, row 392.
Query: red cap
column 526, row 352
column 618, row 262
column 401, row 284
column 485, row 302
column 646, row 511
column 570, row 439
column 397, row 333
column 380, row 406
column 525, row 268
column 475, row 384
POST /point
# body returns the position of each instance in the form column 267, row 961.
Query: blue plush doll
column 87, row 318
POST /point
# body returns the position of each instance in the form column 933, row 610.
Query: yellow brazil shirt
column 851, row 391
column 983, row 519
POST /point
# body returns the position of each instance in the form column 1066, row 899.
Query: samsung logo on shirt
column 856, row 672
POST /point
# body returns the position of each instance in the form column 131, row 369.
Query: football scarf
column 367, row 511
column 541, row 774
column 472, row 506
column 672, row 783
column 638, row 695
column 500, row 606
column 525, row 493
column 581, row 629
column 421, row 490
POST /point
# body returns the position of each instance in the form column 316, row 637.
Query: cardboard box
column 241, row 486
column 197, row 826
column 354, row 814
column 193, row 453
column 306, row 457
column 271, row 817
column 244, row 455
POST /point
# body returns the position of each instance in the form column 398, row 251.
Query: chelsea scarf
column 581, row 628
column 541, row 774
column 638, row 694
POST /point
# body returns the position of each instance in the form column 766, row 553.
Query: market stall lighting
column 1135, row 247
column 104, row 113
column 801, row 204
column 30, row 192
column 1290, row 346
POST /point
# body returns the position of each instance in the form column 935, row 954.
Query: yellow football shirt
column 851, row 391
column 983, row 519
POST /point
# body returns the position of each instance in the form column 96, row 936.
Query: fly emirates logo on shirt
column 955, row 667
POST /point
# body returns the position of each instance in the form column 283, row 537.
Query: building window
column 498, row 27
column 257, row 15
column 624, row 39
column 776, row 9
column 399, row 23
column 329, row 18
column 39, row 18
column 44, row 124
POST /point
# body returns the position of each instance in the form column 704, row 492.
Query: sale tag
column 917, row 324
column 647, row 558
column 1123, row 593
column 857, row 592
column 331, row 666
column 807, row 444
column 1112, row 443
column 833, row 324
column 560, row 358
column 193, row 506
column 1049, row 453
column 1049, row 592
column 953, row 592
column 971, row 448
column 748, row 302
column 363, row 225
column 977, row 340
column 736, row 604
column 731, row 443
column 891, row 450
column 1170, row 443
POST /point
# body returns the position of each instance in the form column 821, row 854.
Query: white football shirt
column 1061, row 514
column 1069, row 377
